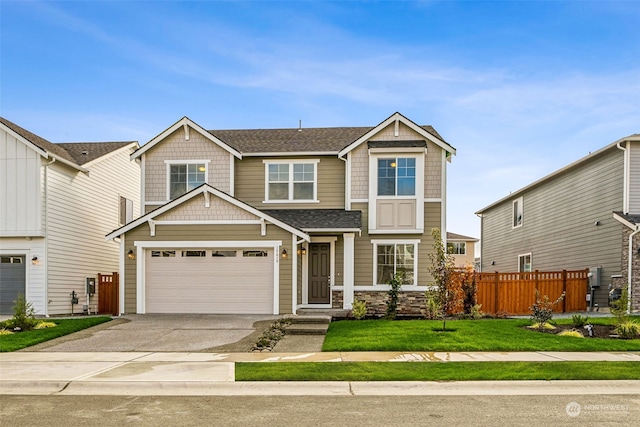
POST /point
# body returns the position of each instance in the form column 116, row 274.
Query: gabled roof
column 183, row 122
column 460, row 237
column 85, row 152
column 71, row 153
column 319, row 219
column 432, row 136
column 614, row 145
column 194, row 193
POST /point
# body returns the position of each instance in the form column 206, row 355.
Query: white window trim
column 169, row 163
column 376, row 242
column 530, row 262
column 374, row 155
column 291, row 162
column 458, row 243
column 521, row 210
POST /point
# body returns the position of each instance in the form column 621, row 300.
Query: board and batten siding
column 213, row 233
column 175, row 147
column 82, row 209
column 363, row 256
column 559, row 223
column 21, row 189
column 250, row 183
column 634, row 177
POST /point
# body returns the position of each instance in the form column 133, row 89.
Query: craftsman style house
column 585, row 215
column 57, row 201
column 270, row 221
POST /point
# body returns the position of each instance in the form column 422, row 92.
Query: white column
column 348, row 273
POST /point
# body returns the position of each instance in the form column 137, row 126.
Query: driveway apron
column 160, row 333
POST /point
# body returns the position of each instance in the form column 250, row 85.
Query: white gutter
column 630, row 267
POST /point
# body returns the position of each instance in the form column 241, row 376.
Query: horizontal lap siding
column 205, row 233
column 82, row 210
column 364, row 248
column 250, row 183
column 559, row 223
column 634, row 177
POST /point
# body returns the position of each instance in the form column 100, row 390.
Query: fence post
column 116, row 293
column 564, row 290
column 497, row 289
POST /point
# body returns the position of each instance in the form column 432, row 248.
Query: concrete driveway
column 165, row 333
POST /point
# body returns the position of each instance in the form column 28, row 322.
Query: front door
column 319, row 273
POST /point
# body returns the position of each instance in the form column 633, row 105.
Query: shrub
column 542, row 309
column 572, row 333
column 5, row 332
column 619, row 307
column 45, row 325
column 579, row 321
column 23, row 315
column 432, row 310
column 628, row 330
column 392, row 302
column 542, row 327
column 476, row 313
column 359, row 309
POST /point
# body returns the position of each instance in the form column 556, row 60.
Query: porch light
column 284, row 253
column 35, row 261
column 131, row 254
column 302, row 251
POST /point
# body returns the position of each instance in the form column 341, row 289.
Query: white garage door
column 216, row 281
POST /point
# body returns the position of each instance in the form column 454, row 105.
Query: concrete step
column 311, row 319
column 335, row 313
column 307, row 329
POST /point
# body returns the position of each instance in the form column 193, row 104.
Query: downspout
column 46, row 236
column 630, row 267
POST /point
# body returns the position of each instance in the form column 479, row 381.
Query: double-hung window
column 524, row 263
column 517, row 212
column 291, row 181
column 397, row 176
column 185, row 176
column 395, row 258
column 457, row 248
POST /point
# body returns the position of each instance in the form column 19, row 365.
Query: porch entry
column 319, row 273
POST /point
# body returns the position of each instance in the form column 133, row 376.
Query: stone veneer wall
column 410, row 303
column 635, row 279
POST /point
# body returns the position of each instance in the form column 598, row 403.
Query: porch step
column 307, row 329
column 311, row 319
column 335, row 313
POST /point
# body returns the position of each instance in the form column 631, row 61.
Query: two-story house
column 566, row 221
column 57, row 201
column 273, row 220
column 462, row 249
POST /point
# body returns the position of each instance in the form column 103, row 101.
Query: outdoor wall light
column 493, row 263
column 131, row 254
column 34, row 260
column 302, row 251
column 284, row 253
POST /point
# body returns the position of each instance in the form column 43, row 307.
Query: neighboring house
column 462, row 248
column 57, row 202
column 269, row 221
column 566, row 221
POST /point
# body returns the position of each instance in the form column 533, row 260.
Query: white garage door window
column 217, row 281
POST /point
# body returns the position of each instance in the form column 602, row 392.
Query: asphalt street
column 477, row 411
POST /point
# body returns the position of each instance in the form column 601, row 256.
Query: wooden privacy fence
column 514, row 293
column 108, row 293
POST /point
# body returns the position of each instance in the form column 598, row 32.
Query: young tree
column 448, row 288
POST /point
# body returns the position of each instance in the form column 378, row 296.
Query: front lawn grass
column 436, row 371
column 25, row 339
column 461, row 335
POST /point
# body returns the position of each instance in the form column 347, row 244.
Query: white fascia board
column 332, row 230
column 68, row 163
column 180, row 123
column 291, row 154
column 44, row 153
column 626, row 222
column 145, row 244
column 215, row 192
column 133, row 144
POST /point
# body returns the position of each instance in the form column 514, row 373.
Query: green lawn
column 436, row 371
column 22, row 340
column 461, row 335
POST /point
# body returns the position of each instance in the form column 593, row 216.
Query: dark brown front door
column 319, row 270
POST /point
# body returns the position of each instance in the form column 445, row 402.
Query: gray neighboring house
column 580, row 216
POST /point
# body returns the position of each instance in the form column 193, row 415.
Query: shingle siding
column 559, row 218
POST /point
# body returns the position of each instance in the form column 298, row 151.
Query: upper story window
column 517, row 213
column 457, row 248
column 397, row 176
column 291, row 181
column 184, row 176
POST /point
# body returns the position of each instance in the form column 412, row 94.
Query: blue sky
column 519, row 88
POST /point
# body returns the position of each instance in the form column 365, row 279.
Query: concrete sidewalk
column 149, row 373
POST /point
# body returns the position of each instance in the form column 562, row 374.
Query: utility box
column 91, row 285
column 594, row 277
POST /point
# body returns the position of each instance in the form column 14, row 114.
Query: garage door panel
column 209, row 284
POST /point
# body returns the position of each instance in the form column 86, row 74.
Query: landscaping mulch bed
column 599, row 331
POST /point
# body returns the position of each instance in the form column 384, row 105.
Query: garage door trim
column 143, row 246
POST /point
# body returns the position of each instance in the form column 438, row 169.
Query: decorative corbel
column 186, row 131
column 152, row 228
column 263, row 227
column 207, row 199
column 396, row 130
